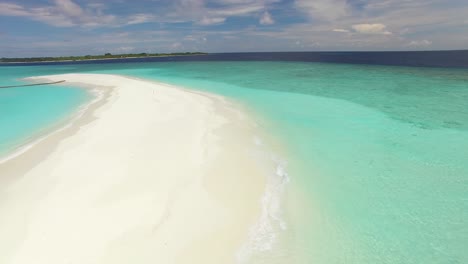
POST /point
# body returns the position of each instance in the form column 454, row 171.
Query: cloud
column 176, row 46
column 340, row 30
column 10, row 9
column 211, row 12
column 140, row 18
column 323, row 9
column 206, row 21
column 205, row 14
column 124, row 49
column 420, row 43
column 236, row 10
column 266, row 19
column 69, row 8
column 315, row 24
column 64, row 13
column 68, row 13
column 371, row 29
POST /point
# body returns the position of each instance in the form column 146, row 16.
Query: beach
column 149, row 173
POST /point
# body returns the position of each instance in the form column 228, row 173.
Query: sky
column 31, row 28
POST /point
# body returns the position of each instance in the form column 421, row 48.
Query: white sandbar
column 158, row 174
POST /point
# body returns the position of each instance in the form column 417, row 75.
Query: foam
column 264, row 233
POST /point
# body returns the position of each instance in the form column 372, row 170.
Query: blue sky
column 80, row 27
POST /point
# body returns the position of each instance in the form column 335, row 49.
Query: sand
column 149, row 174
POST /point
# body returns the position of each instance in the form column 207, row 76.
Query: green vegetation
column 98, row 57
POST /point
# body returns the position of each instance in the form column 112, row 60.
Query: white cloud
column 69, row 8
column 236, row 10
column 124, row 49
column 9, row 9
column 196, row 38
column 212, row 12
column 323, row 9
column 69, row 13
column 341, row 30
column 140, row 18
column 266, row 19
column 176, row 46
column 206, row 21
column 64, row 13
column 371, row 29
column 420, row 43
column 325, row 24
column 235, row 2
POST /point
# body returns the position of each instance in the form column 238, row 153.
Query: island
column 97, row 57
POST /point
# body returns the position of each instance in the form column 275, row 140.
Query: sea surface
column 373, row 166
column 27, row 113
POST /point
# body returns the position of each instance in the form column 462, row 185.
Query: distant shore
column 106, row 56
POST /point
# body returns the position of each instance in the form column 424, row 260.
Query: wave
column 264, row 233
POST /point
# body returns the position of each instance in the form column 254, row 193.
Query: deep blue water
column 446, row 59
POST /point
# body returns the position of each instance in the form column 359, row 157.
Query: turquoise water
column 377, row 156
column 28, row 111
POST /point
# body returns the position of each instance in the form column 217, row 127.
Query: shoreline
column 103, row 59
column 226, row 177
column 68, row 124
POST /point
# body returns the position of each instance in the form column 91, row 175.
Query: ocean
column 27, row 113
column 373, row 163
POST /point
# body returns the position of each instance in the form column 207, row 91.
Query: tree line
column 99, row 57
